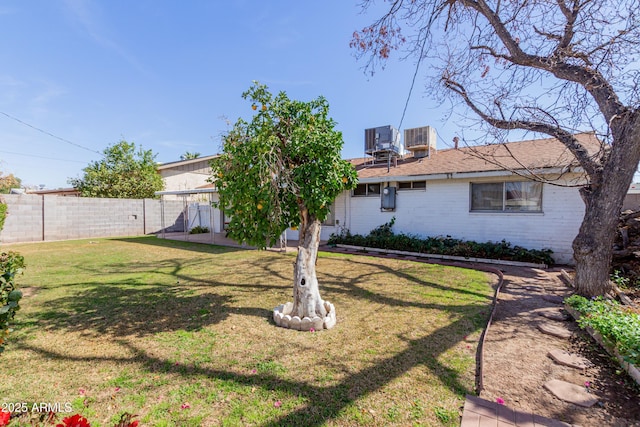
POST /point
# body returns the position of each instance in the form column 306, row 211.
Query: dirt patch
column 29, row 291
column 516, row 362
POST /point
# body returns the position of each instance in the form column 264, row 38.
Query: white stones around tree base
column 282, row 317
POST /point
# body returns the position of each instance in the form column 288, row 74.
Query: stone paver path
column 567, row 359
column 479, row 413
column 571, row 393
column 555, row 330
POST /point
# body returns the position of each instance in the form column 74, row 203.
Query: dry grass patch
column 181, row 334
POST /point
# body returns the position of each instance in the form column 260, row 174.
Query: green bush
column 198, row 229
column 383, row 237
column 11, row 264
column 3, row 214
column 618, row 325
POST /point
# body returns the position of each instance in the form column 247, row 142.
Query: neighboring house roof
column 69, row 192
column 536, row 154
column 210, row 185
column 180, row 163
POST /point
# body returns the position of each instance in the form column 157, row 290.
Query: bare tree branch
column 579, row 151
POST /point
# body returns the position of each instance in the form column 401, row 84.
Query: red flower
column 4, row 418
column 76, row 420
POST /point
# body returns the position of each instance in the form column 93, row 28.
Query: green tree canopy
column 280, row 170
column 124, row 172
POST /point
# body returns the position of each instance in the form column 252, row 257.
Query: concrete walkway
column 482, row 413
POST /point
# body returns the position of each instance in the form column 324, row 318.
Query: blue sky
column 168, row 74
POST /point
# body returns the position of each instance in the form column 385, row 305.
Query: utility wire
column 41, row 157
column 413, row 81
column 49, row 133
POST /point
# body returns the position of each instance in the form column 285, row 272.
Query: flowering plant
column 76, row 420
column 4, row 418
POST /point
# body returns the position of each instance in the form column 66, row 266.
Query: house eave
column 186, row 192
column 469, row 175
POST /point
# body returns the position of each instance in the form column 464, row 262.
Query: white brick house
column 454, row 192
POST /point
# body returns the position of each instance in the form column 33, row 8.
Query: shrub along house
column 472, row 193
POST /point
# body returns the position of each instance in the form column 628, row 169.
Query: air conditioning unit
column 421, row 141
column 382, row 139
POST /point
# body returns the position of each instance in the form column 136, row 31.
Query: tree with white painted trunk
column 283, row 169
column 554, row 67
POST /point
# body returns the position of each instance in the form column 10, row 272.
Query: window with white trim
column 367, row 190
column 516, row 196
column 412, row 185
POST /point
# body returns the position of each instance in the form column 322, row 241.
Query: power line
column 41, row 157
column 49, row 133
column 413, row 80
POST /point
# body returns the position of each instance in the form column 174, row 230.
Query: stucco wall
column 37, row 218
column 443, row 209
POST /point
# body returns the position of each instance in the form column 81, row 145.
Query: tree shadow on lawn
column 131, row 308
column 145, row 309
column 210, row 248
column 331, row 282
column 323, row 403
column 176, row 300
column 189, row 269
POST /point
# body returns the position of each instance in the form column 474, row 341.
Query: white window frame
column 412, row 186
column 504, row 208
column 367, row 190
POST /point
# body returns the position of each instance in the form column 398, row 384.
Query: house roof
column 538, row 154
column 185, row 162
column 57, row 192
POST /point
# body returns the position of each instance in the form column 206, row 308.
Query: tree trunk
column 306, row 293
column 593, row 246
column 308, row 310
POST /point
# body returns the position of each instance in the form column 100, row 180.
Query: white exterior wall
column 340, row 210
column 443, row 209
column 179, row 180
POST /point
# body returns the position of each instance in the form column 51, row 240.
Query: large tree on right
column 554, row 67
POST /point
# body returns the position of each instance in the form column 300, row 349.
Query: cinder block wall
column 37, row 218
column 173, row 216
column 24, row 219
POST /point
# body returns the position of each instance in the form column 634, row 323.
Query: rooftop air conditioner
column 421, row 141
column 382, row 139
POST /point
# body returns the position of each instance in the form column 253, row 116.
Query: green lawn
column 181, row 334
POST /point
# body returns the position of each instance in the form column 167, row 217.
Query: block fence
column 34, row 218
